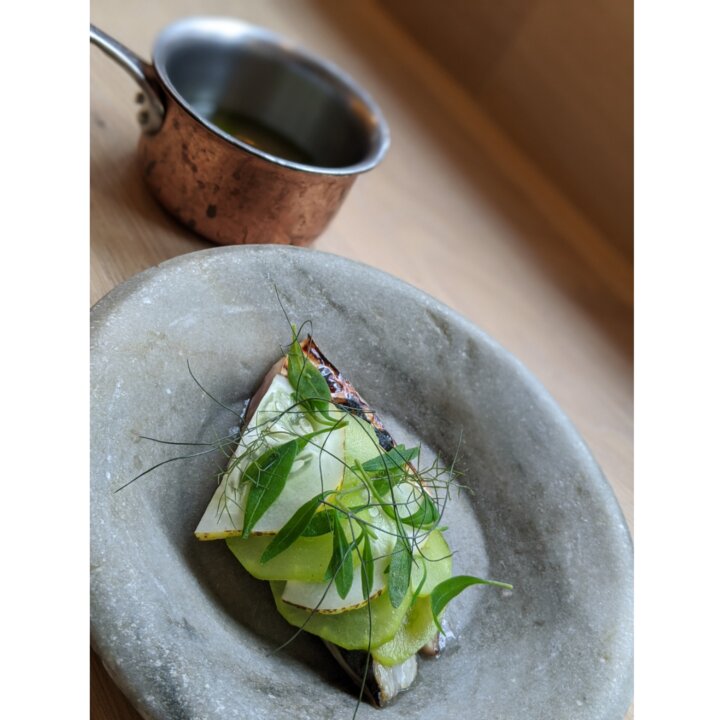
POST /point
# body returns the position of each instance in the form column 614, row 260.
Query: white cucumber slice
column 318, row 467
column 222, row 517
column 324, row 598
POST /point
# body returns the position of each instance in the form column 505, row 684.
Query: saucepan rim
column 376, row 126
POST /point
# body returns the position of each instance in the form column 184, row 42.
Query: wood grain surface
column 455, row 209
column 557, row 75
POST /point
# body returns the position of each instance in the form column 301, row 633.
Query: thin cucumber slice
column 306, row 560
column 352, row 630
column 436, row 558
column 318, row 467
column 416, row 630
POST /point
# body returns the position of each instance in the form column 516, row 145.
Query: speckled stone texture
column 187, row 633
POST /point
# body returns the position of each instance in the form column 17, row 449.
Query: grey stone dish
column 186, row 633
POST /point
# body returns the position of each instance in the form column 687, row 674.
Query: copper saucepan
column 247, row 138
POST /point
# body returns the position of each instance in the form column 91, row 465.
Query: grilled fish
column 381, row 684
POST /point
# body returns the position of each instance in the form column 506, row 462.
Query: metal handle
column 151, row 115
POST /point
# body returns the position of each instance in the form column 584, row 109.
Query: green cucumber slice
column 306, row 560
column 318, row 596
column 418, row 626
column 350, row 630
column 361, row 444
column 437, row 559
column 416, row 630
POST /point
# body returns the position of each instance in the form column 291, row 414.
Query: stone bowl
column 186, row 633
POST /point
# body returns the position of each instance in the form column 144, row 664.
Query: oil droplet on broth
column 260, row 136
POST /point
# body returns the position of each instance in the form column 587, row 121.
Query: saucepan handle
column 151, row 116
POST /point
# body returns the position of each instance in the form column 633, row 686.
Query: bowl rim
column 599, row 483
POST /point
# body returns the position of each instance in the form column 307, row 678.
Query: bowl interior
column 184, row 629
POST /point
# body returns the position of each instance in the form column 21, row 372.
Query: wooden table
column 454, row 209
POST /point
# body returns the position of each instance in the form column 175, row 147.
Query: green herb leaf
column 399, row 572
column 293, row 528
column 389, row 468
column 443, row 593
column 422, row 581
column 320, row 524
column 367, row 567
column 303, row 440
column 341, row 566
column 311, row 390
column 367, row 481
column 396, row 458
column 267, row 476
column 425, row 516
column 383, row 483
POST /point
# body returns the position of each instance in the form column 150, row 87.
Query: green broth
column 259, row 136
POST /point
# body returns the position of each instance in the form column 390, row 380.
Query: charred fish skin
column 382, row 684
column 343, row 392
